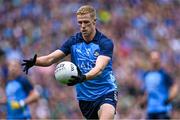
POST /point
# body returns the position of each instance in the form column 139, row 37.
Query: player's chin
column 85, row 34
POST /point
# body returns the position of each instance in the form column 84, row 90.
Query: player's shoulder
column 166, row 73
column 163, row 71
column 105, row 41
column 103, row 38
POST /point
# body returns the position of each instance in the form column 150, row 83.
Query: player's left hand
column 77, row 79
column 17, row 105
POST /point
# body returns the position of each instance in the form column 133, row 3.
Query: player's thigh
column 106, row 111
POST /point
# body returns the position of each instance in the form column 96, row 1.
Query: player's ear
column 94, row 22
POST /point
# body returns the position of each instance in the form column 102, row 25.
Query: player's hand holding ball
column 29, row 63
column 77, row 79
column 68, row 73
column 17, row 105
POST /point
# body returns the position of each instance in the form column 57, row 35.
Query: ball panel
column 64, row 71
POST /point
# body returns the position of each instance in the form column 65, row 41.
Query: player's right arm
column 44, row 61
column 49, row 59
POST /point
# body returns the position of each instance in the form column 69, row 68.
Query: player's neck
column 90, row 38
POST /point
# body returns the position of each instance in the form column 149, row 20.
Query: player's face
column 86, row 24
column 155, row 59
column 13, row 68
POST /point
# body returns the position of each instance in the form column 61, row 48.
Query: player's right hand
column 16, row 104
column 29, row 63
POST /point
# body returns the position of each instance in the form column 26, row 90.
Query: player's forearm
column 33, row 96
column 173, row 92
column 101, row 63
column 44, row 61
column 93, row 73
column 50, row 59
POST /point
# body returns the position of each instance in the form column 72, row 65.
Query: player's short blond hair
column 87, row 9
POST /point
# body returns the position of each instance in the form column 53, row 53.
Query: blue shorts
column 90, row 109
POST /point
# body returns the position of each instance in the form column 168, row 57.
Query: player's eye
column 86, row 22
column 79, row 22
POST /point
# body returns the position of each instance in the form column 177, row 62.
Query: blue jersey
column 84, row 56
column 18, row 89
column 157, row 84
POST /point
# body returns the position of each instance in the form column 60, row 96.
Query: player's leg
column 101, row 108
column 107, row 107
column 106, row 111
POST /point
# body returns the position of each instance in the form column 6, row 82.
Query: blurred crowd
column 136, row 27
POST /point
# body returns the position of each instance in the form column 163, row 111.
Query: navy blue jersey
column 18, row 89
column 157, row 84
column 84, row 56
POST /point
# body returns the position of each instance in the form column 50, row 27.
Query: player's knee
column 106, row 111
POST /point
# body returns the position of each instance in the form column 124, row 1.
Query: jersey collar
column 96, row 37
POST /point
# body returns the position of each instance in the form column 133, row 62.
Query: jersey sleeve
column 106, row 47
column 169, row 81
column 66, row 47
column 27, row 86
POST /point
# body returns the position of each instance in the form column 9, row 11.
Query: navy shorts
column 90, row 109
column 162, row 115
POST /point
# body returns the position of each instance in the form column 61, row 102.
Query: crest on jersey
column 96, row 53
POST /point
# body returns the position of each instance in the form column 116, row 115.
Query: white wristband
column 22, row 103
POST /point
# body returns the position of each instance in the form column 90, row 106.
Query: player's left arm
column 173, row 92
column 106, row 51
column 32, row 92
column 173, row 88
column 101, row 63
column 33, row 96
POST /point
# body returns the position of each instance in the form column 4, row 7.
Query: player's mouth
column 84, row 31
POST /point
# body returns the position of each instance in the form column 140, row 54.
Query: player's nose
column 83, row 25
